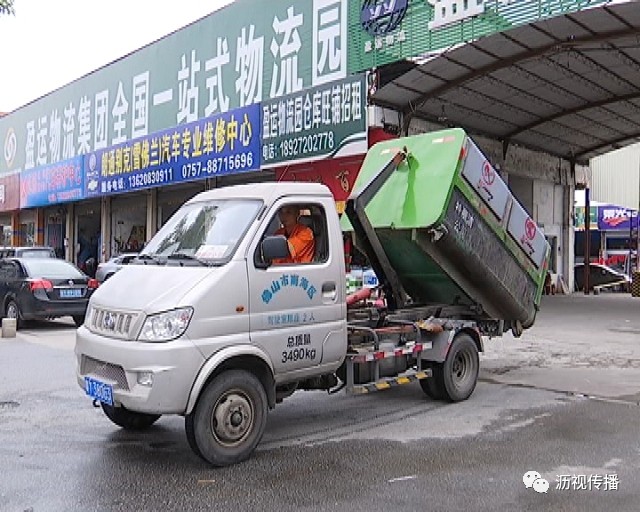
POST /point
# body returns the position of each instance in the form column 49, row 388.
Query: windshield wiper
column 183, row 256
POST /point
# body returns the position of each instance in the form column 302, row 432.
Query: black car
column 43, row 288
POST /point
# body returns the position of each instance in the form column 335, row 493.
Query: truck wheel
column 129, row 420
column 229, row 418
column 433, row 386
column 190, row 430
column 460, row 369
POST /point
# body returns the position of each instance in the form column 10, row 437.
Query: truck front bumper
column 153, row 378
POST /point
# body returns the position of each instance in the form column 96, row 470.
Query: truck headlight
column 166, row 326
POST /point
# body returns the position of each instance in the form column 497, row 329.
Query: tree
column 6, row 7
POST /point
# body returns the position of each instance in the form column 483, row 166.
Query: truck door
column 297, row 308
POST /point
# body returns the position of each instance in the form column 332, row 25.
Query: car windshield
column 207, row 230
column 51, row 268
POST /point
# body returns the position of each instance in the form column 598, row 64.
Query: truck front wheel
column 129, row 420
column 229, row 418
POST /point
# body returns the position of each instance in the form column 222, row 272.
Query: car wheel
column 129, row 420
column 78, row 320
column 12, row 310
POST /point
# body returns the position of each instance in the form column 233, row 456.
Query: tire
column 129, row 420
column 233, row 396
column 78, row 320
column 460, row 369
column 433, row 386
column 189, row 428
column 12, row 310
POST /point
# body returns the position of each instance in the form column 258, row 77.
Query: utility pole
column 587, row 238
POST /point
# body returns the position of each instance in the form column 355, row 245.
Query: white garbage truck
column 206, row 325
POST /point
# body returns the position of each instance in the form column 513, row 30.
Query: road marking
column 402, row 478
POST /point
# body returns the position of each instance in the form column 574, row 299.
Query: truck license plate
column 101, row 391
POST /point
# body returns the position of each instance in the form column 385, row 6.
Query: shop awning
column 568, row 86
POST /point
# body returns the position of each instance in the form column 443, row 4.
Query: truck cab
column 203, row 298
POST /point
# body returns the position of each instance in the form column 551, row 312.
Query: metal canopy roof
column 568, row 86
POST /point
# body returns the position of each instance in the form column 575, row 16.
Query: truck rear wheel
column 460, row 369
column 129, row 420
column 433, row 386
column 229, row 418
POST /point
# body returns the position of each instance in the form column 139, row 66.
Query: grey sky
column 49, row 43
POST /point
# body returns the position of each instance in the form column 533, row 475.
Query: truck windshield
column 207, row 231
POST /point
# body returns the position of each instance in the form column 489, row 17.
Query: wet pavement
column 562, row 401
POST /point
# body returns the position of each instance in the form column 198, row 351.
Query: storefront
column 45, row 193
column 171, row 198
column 613, row 240
column 9, row 202
column 619, row 227
column 148, row 149
column 27, row 228
column 55, row 228
column 87, row 233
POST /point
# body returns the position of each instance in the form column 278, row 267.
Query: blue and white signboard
column 222, row 144
column 52, row 184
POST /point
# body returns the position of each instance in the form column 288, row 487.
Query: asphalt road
column 562, row 401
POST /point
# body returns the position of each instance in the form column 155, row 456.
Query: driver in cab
column 299, row 237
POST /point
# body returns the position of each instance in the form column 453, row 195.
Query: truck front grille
column 107, row 371
column 111, row 323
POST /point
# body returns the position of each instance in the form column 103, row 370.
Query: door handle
column 329, row 291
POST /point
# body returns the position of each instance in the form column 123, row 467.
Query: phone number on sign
column 303, row 145
column 239, row 162
column 151, row 178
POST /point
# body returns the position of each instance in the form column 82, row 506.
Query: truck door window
column 305, row 227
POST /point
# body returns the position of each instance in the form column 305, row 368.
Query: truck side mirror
column 273, row 247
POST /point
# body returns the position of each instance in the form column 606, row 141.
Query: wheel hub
column 12, row 311
column 232, row 418
column 460, row 366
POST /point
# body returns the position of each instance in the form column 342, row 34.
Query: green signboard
column 248, row 52
column 324, row 121
column 385, row 31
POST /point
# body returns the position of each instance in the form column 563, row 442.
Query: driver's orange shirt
column 301, row 245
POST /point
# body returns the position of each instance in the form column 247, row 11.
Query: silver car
column 107, row 269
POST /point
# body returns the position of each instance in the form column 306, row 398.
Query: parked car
column 601, row 276
column 43, row 288
column 27, row 252
column 107, row 269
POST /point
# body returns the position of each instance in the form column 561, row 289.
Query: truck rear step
column 389, row 382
